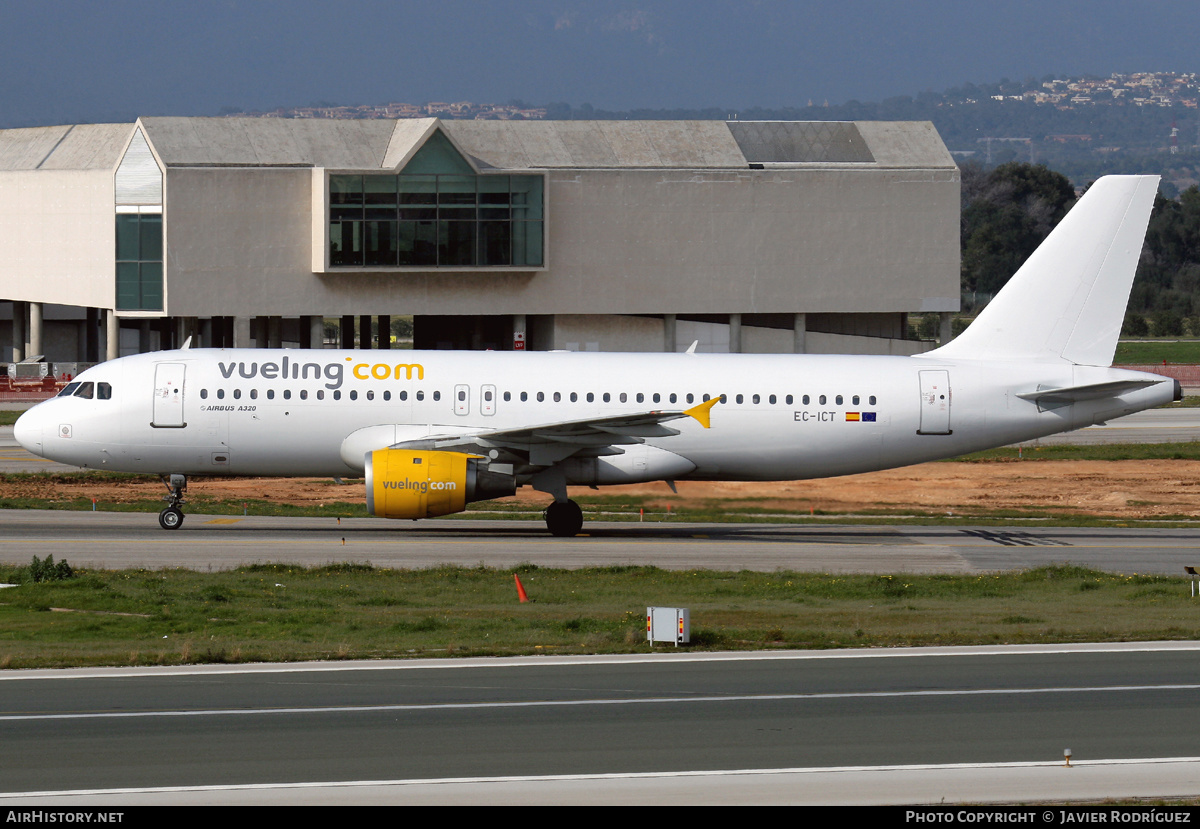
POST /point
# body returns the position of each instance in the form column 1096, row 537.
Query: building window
column 139, row 261
column 436, row 220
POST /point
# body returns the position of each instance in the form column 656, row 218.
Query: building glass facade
column 436, row 213
column 139, row 262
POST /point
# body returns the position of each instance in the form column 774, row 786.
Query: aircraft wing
column 549, row 443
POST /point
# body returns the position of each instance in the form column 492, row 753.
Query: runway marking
column 225, row 521
column 474, row 706
column 567, row 778
column 517, row 662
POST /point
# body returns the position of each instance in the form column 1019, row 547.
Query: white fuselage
column 786, row 417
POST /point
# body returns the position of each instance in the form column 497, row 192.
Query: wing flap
column 548, row 443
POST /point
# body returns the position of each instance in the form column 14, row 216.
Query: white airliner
column 434, row 430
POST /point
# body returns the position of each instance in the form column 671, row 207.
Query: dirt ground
column 1113, row 488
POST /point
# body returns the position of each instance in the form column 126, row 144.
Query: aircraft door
column 487, row 400
column 935, row 403
column 462, row 400
column 168, row 396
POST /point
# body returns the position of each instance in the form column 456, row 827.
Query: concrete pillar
column 800, row 334
column 145, row 343
column 384, row 326
column 274, row 332
column 112, row 335
column 241, row 332
column 669, row 344
column 18, row 331
column 735, row 333
column 316, row 327
column 364, row 331
column 945, row 327
column 346, row 332
column 36, row 342
column 519, row 327
column 258, row 331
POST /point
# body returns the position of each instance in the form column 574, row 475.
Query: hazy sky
column 65, row 61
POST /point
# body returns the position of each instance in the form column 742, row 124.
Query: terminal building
column 816, row 237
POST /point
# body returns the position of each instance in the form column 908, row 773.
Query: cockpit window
column 103, row 391
column 85, row 390
column 68, row 390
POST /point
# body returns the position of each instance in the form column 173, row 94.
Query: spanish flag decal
column 852, row 416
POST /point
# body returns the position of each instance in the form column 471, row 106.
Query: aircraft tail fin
column 1067, row 302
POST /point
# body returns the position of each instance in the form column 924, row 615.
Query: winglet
column 701, row 411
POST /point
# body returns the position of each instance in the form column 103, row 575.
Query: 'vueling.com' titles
column 332, row 372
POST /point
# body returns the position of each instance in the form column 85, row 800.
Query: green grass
column 353, row 611
column 8, row 418
column 1144, row 352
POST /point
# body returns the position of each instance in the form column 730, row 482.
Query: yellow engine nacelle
column 407, row 483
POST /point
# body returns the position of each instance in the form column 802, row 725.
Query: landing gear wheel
column 564, row 519
column 170, row 518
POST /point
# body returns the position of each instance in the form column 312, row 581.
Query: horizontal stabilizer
column 1065, row 396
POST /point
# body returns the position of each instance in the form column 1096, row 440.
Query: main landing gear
column 563, row 518
column 171, row 518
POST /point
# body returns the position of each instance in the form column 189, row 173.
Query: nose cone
column 28, row 431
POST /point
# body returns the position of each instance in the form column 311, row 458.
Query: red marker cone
column 520, row 590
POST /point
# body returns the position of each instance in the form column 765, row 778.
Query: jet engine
column 405, row 483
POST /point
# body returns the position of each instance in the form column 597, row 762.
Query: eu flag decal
column 868, row 417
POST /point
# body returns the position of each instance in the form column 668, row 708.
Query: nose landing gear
column 171, row 518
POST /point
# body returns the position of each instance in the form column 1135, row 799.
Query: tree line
column 1009, row 210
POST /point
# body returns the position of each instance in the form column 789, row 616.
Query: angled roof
column 81, row 147
column 499, row 145
column 269, row 142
